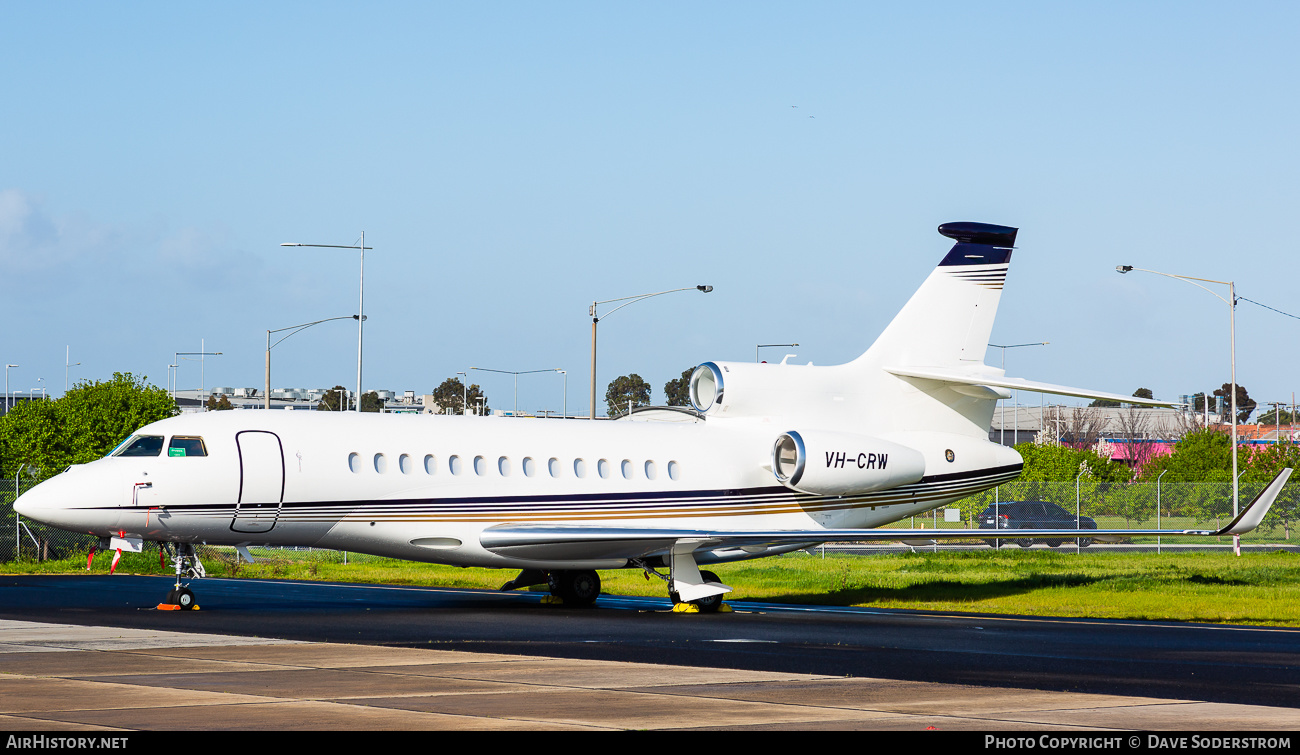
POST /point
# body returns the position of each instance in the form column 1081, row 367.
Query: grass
column 1256, row 588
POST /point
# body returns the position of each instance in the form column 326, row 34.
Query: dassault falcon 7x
column 775, row 458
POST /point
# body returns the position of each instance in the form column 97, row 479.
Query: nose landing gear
column 188, row 566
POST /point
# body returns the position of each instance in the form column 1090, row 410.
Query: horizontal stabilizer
column 957, row 377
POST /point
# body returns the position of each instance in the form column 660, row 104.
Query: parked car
column 1033, row 515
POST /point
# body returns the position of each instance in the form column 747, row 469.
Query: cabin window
column 404, row 463
column 454, row 464
column 186, row 445
column 141, row 445
column 503, row 466
column 650, row 471
column 354, row 462
column 579, row 468
column 381, row 463
column 430, row 464
column 480, row 466
column 529, row 466
column 602, row 469
column 627, row 469
column 553, row 466
column 674, row 471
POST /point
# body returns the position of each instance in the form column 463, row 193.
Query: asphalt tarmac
column 1011, row 663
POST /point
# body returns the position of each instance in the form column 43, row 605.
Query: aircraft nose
column 55, row 502
column 33, row 502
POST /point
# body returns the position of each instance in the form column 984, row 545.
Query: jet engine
column 834, row 463
column 739, row 389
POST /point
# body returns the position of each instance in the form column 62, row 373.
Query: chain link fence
column 1151, row 506
column 1111, row 505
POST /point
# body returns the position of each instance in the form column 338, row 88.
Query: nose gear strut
column 188, row 566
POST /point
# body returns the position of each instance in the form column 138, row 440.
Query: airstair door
column 261, row 481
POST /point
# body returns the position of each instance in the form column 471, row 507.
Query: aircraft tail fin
column 947, row 322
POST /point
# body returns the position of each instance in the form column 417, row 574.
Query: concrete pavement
column 56, row 677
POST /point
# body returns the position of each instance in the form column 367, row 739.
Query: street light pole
column 595, row 318
column 361, row 299
column 67, row 357
column 565, row 402
column 266, row 398
column 464, row 395
column 1014, row 433
column 1231, row 301
column 176, row 355
column 516, row 374
column 9, row 402
column 767, row 345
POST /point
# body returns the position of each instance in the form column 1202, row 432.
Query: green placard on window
column 176, row 452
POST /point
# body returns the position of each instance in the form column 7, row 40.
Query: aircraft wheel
column 576, row 588
column 1023, row 542
column 1084, row 542
column 182, row 597
column 1055, row 542
column 713, row 602
column 991, row 543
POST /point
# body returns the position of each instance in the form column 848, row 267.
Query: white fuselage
column 424, row 487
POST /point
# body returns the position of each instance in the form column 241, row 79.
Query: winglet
column 1253, row 514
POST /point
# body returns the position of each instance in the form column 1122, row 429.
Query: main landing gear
column 704, row 584
column 577, row 587
column 188, row 566
column 691, row 590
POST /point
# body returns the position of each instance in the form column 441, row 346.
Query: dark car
column 1033, row 515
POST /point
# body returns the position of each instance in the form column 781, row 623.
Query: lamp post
column 595, row 318
column 9, row 403
column 464, row 391
column 769, row 345
column 565, row 403
column 516, row 374
column 361, row 300
column 266, row 398
column 66, row 367
column 1231, row 301
column 1014, row 433
column 176, row 355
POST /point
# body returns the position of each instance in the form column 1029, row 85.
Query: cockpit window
column 141, row 445
column 186, row 445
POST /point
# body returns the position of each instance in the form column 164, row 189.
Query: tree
column 213, row 405
column 1083, row 427
column 452, row 394
column 336, row 399
column 1245, row 404
column 88, row 422
column 370, row 402
column 1049, row 462
column 678, row 390
column 625, row 390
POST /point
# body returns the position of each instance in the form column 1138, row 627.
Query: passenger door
column 261, row 481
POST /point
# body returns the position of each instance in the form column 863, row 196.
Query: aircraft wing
column 1020, row 384
column 595, row 542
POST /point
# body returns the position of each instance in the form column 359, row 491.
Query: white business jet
column 776, row 457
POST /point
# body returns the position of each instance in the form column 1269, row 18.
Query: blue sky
column 511, row 162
